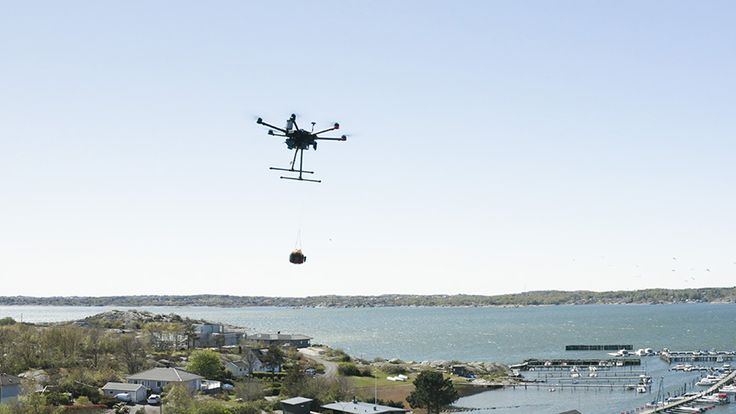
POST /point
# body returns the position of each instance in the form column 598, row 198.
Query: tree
column 206, row 364
column 274, row 358
column 249, row 390
column 131, row 351
column 432, row 392
column 178, row 400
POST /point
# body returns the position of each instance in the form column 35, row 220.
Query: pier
column 598, row 347
column 695, row 356
column 673, row 405
column 557, row 364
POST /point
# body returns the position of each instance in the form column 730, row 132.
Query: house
column 297, row 341
column 460, row 370
column 254, row 360
column 210, row 335
column 239, row 369
column 136, row 392
column 356, row 407
column 9, row 388
column 157, row 378
column 296, row 405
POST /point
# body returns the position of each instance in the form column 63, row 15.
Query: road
column 315, row 355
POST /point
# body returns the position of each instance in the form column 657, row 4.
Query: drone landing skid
column 300, row 179
column 291, row 170
column 296, row 171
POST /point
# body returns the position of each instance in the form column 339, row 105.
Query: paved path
column 315, row 355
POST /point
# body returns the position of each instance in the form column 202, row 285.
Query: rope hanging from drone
column 299, row 140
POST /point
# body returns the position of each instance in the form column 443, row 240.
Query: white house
column 254, row 360
column 157, row 378
column 9, row 388
column 137, row 392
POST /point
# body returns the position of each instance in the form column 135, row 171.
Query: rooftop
column 165, row 374
column 122, row 386
column 296, row 401
column 239, row 364
column 362, row 408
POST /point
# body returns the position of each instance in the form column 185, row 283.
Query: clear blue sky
column 497, row 146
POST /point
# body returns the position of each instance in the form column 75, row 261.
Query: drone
column 298, row 139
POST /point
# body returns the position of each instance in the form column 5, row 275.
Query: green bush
column 349, row 369
column 393, row 369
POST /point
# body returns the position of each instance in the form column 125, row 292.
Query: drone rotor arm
column 325, row 130
column 342, row 138
column 272, row 126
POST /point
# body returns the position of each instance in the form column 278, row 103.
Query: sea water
column 507, row 335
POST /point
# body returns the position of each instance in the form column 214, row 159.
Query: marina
column 697, row 356
column 691, row 402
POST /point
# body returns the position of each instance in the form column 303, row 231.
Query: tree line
column 550, row 297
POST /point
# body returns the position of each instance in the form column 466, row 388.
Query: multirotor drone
column 299, row 140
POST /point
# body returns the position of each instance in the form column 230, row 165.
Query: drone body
column 298, row 139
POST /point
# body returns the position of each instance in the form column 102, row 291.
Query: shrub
column 349, row 369
column 393, row 369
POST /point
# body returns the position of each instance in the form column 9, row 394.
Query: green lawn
column 360, row 382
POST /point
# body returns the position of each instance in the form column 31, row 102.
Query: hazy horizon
column 495, row 147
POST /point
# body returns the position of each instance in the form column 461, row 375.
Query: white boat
column 706, row 382
column 621, row 353
column 729, row 389
column 641, row 389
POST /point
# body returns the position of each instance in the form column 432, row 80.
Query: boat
column 621, row 353
column 706, row 382
column 729, row 389
column 641, row 388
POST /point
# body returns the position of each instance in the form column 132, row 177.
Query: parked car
column 123, row 397
column 154, row 399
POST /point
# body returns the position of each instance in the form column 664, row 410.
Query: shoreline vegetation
column 534, row 298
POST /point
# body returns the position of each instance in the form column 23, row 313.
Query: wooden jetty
column 690, row 400
column 696, row 356
column 598, row 347
column 567, row 363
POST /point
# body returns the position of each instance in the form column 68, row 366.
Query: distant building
column 460, row 370
column 157, row 378
column 136, row 392
column 9, row 388
column 254, row 360
column 297, row 341
column 356, row 407
column 211, row 335
column 296, row 405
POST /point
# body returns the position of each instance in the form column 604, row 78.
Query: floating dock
column 696, row 356
column 690, row 400
column 566, row 363
column 598, row 347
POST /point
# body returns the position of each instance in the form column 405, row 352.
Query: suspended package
column 297, row 257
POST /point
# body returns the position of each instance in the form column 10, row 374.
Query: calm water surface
column 481, row 334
